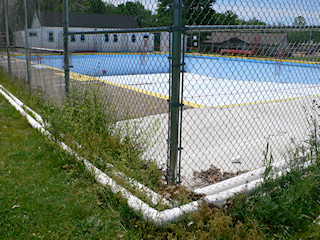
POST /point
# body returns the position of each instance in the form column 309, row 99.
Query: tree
column 253, row 21
column 299, row 36
column 201, row 12
column 85, row 6
column 110, row 8
column 143, row 16
column 198, row 12
column 299, row 21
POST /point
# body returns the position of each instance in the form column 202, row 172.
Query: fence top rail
column 251, row 27
column 48, row 50
column 200, row 28
column 126, row 30
column 40, row 49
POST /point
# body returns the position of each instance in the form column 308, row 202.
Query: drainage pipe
column 238, row 180
column 21, row 104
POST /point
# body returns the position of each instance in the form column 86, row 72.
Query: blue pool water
column 254, row 70
column 109, row 65
column 216, row 67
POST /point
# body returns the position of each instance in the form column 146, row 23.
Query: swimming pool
column 216, row 67
column 208, row 80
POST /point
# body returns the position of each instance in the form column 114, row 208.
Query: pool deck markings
column 82, row 77
column 188, row 54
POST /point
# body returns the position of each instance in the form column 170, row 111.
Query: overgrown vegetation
column 286, row 205
column 44, row 193
column 88, row 123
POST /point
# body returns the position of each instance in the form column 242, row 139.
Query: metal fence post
column 7, row 37
column 27, row 43
column 66, row 45
column 175, row 91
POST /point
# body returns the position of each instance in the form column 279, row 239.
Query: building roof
column 248, row 37
column 87, row 20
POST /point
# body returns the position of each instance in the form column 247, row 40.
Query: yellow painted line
column 253, row 58
column 263, row 102
column 49, row 67
column 116, row 53
column 189, row 54
column 81, row 77
column 21, row 60
column 91, row 54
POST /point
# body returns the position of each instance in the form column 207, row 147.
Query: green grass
column 44, row 193
column 284, row 208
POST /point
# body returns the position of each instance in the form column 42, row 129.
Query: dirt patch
column 214, row 175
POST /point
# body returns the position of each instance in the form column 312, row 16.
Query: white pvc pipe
column 237, row 181
column 21, row 104
column 220, row 198
column 153, row 196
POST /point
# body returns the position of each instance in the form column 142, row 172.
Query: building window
column 82, row 38
column 106, row 37
column 115, row 38
column 32, row 34
column 72, row 38
column 133, row 38
column 50, row 37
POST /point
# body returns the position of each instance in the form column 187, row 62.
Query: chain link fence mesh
column 249, row 72
column 252, row 68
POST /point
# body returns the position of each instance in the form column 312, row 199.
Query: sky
column 273, row 12
column 149, row 4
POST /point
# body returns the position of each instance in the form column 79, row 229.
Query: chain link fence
column 212, row 87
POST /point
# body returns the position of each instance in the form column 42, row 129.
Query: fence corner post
column 27, row 52
column 66, row 45
column 7, row 38
column 174, row 101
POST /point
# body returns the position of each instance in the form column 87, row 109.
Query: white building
column 47, row 32
column 165, row 42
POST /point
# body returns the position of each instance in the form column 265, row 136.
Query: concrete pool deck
column 232, row 139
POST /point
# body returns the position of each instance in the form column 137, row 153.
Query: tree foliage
column 143, row 16
column 305, row 36
column 299, row 21
column 297, row 37
column 199, row 12
column 87, row 6
column 202, row 12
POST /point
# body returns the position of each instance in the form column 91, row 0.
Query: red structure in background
column 236, row 52
column 255, row 46
column 38, row 56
